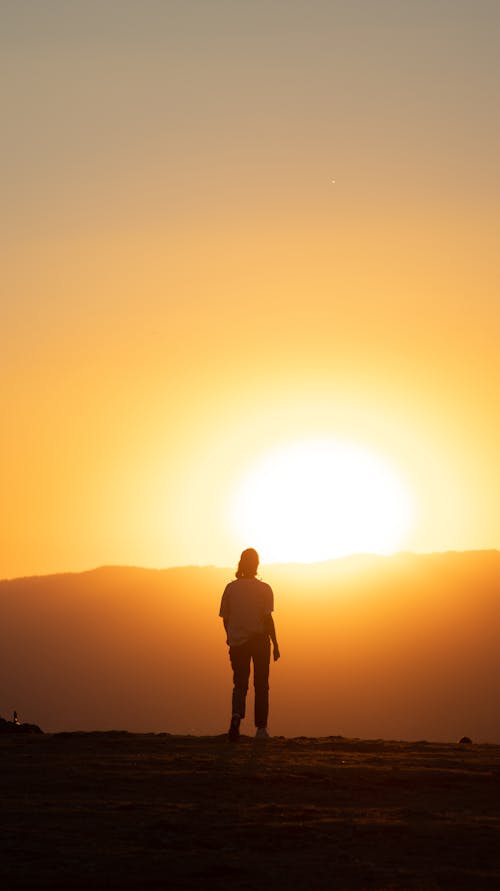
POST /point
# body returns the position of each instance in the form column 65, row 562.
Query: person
column 246, row 607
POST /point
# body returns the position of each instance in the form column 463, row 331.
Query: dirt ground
column 118, row 810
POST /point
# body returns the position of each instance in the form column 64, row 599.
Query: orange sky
column 184, row 287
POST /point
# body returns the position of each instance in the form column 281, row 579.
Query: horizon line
column 280, row 564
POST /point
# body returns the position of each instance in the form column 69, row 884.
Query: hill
column 402, row 647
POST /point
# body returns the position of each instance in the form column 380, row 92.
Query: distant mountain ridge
column 404, row 646
column 352, row 559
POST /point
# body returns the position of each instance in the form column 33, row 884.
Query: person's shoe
column 234, row 728
column 261, row 733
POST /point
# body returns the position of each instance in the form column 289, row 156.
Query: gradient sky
column 184, row 287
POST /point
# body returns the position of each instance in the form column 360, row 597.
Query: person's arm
column 271, row 631
column 224, row 609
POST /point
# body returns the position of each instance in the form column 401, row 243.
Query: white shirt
column 244, row 604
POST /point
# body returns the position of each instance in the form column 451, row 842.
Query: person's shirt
column 245, row 602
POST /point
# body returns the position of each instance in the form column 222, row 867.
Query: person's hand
column 276, row 653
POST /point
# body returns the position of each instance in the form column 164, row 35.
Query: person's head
column 248, row 565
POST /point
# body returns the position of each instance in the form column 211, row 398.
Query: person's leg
column 261, row 653
column 240, row 662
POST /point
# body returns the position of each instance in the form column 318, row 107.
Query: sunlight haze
column 187, row 291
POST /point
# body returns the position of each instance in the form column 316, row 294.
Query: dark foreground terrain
column 117, row 810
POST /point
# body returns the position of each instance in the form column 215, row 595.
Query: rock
column 12, row 727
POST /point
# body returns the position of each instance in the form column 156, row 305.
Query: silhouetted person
column 246, row 607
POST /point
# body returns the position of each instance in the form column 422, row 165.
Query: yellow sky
column 184, row 287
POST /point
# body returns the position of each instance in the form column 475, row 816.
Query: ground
column 118, row 810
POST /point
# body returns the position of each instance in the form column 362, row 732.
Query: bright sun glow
column 317, row 499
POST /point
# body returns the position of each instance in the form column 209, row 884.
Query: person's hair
column 248, row 565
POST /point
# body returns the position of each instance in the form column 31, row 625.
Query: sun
column 316, row 499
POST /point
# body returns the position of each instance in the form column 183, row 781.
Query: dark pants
column 256, row 650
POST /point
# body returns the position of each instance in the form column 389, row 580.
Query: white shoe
column 261, row 733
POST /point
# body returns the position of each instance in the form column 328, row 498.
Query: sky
column 229, row 227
